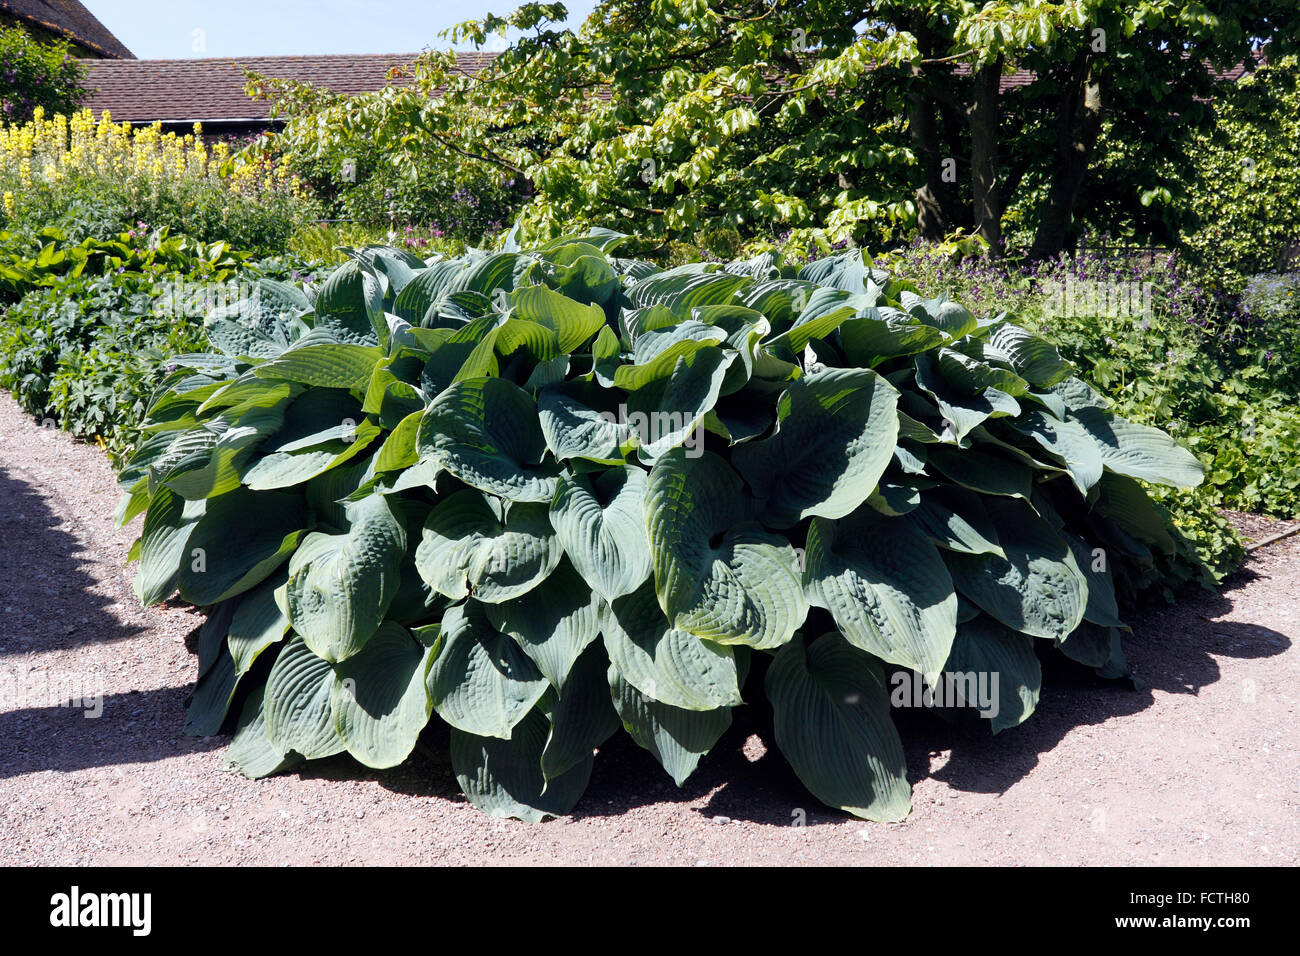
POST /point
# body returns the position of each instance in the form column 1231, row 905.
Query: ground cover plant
column 542, row 495
column 90, row 324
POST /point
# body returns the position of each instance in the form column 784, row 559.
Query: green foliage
column 86, row 345
column 1244, row 201
column 37, row 73
column 330, row 140
column 544, row 493
column 328, row 242
column 1169, row 353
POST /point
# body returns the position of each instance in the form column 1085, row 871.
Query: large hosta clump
column 544, row 494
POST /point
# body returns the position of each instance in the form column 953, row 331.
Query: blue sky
column 169, row 29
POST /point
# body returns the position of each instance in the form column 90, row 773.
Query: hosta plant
column 542, row 495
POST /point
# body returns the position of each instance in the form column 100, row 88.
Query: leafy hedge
column 544, row 494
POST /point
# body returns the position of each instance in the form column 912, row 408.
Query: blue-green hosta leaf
column 745, row 330
column 241, row 539
column 425, row 289
column 962, row 413
column 718, row 576
column 390, row 397
column 340, row 585
column 504, row 778
column 163, row 544
column 658, row 352
column 666, row 413
column 1037, row 589
column 600, row 525
column 553, row 623
column 1033, row 359
column 333, row 365
column 951, row 317
column 1091, row 645
column 882, row 334
column 350, row 305
column 219, row 470
column 832, row 723
column 480, row 681
column 239, row 341
column 284, row 469
column 485, row 431
column 1140, row 451
column 1067, row 440
column 825, row 311
column 493, row 271
column 297, row 705
column 250, row 752
column 1102, row 608
column 1126, row 503
column 984, row 471
column 258, row 623
column 573, row 428
column 398, row 451
column 470, row 548
column 887, row 588
column 686, row 287
column 248, row 392
column 581, row 714
column 984, row 651
column 677, row 738
column 212, row 697
column 955, row 519
column 1075, row 393
column 845, row 271
column 973, row 376
column 572, row 323
column 835, row 435
column 780, row 300
column 378, row 699
column 667, row 664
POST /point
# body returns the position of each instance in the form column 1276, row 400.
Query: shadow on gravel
column 48, row 602
column 1172, row 649
column 135, row 727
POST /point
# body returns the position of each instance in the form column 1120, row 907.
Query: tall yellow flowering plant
column 102, row 176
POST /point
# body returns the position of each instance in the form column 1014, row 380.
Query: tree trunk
column 1079, row 126
column 932, row 214
column 983, row 115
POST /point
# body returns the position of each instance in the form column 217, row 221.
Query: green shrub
column 86, row 346
column 544, row 494
column 330, row 242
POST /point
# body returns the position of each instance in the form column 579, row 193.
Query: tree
column 840, row 120
column 37, row 73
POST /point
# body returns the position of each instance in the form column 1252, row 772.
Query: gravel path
column 1197, row 768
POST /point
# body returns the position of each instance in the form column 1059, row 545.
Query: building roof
column 212, row 89
column 70, row 19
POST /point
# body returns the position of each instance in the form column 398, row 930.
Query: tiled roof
column 68, row 18
column 142, row 91
column 209, row 90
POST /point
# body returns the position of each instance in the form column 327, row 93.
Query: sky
column 173, row 29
